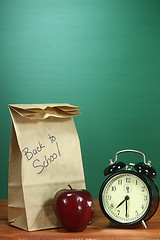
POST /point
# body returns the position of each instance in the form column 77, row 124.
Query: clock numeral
column 113, row 188
column 111, row 206
column 118, row 212
column 109, row 197
column 120, row 182
column 136, row 182
column 143, row 188
column 128, row 179
column 142, row 207
column 145, row 198
column 136, row 213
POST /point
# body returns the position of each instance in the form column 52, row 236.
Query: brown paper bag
column 45, row 156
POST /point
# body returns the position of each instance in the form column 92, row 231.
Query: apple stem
column 69, row 186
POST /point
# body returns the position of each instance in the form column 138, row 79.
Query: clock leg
column 144, row 224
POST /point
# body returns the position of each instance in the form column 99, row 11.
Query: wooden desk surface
column 99, row 229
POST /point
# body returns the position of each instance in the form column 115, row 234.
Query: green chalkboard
column 101, row 55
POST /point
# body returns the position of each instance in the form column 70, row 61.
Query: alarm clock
column 129, row 196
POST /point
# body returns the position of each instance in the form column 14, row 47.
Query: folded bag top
column 43, row 111
column 45, row 156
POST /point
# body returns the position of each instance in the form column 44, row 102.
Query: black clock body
column 119, row 181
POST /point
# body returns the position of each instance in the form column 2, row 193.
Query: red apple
column 74, row 208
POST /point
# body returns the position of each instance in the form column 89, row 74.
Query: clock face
column 125, row 198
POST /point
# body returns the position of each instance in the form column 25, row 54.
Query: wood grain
column 99, row 229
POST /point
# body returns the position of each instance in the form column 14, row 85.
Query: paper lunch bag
column 45, row 156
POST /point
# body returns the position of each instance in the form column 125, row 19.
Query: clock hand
column 121, row 203
column 126, row 207
column 126, row 198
